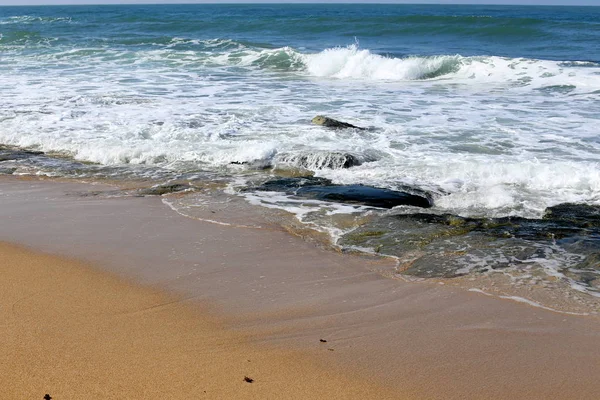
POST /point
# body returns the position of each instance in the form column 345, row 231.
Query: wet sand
column 282, row 293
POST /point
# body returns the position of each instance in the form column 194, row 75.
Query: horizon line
column 311, row 2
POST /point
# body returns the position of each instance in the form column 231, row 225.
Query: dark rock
column 558, row 221
column 583, row 215
column 323, row 189
column 364, row 195
column 11, row 155
column 522, row 228
column 332, row 123
column 290, row 185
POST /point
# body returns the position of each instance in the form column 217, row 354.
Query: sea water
column 494, row 111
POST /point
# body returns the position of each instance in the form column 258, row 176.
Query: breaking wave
column 351, row 62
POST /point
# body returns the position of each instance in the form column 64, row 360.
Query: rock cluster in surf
column 445, row 245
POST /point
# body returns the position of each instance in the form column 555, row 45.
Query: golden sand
column 75, row 333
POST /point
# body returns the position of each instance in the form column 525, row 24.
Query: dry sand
column 75, row 333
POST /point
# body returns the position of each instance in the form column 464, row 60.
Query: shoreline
column 429, row 341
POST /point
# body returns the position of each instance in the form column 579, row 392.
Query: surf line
column 211, row 221
column 529, row 302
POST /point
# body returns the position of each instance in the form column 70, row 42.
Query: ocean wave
column 351, row 62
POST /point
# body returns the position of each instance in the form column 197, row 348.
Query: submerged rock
column 323, row 189
column 333, row 123
column 445, row 245
column 163, row 189
column 586, row 272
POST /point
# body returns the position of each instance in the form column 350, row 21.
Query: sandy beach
column 73, row 332
column 163, row 305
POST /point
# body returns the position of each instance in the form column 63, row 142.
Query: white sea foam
column 487, row 135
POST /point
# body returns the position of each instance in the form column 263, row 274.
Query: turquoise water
column 492, row 110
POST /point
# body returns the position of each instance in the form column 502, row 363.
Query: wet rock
column 291, row 172
column 323, row 189
column 320, row 160
column 11, row 155
column 290, row 185
column 364, row 195
column 163, row 189
column 506, row 227
column 582, row 215
column 445, row 245
column 332, row 123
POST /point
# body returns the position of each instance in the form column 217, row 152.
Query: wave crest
column 352, row 62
